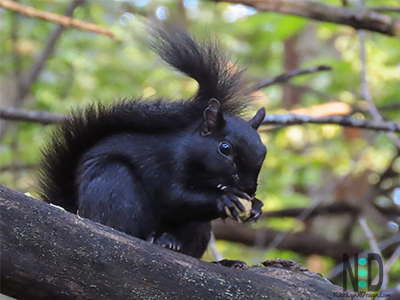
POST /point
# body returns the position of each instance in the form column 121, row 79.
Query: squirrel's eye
column 225, row 148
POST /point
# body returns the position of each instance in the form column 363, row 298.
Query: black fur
column 154, row 169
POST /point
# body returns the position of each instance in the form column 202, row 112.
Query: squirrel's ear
column 213, row 118
column 256, row 121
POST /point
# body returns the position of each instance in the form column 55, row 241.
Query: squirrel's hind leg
column 108, row 194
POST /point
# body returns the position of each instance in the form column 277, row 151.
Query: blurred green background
column 303, row 162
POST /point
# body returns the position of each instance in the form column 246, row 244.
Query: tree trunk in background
column 291, row 94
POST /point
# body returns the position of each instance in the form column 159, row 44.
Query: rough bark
column 48, row 253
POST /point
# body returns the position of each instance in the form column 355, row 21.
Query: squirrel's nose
column 251, row 190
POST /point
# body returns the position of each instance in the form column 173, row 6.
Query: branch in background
column 301, row 242
column 344, row 206
column 41, row 117
column 18, row 167
column 389, row 107
column 374, row 247
column 391, row 211
column 55, row 18
column 384, row 245
column 17, row 68
column 325, row 194
column 329, row 210
column 365, row 91
column 289, row 119
column 286, row 119
column 327, row 13
column 388, row 265
column 383, row 9
column 15, row 53
column 46, row 118
column 285, row 77
column 319, row 199
column 28, row 79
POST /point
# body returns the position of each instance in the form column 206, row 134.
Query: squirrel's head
column 226, row 151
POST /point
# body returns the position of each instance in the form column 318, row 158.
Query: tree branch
column 290, row 119
column 15, row 53
column 327, row 13
column 42, row 117
column 383, row 9
column 46, row 118
column 18, row 167
column 304, row 243
column 48, row 253
column 329, row 210
column 287, row 76
column 54, row 18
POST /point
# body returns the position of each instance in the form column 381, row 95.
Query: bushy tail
column 218, row 77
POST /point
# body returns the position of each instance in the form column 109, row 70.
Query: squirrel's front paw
column 239, row 206
column 230, row 205
column 256, row 210
column 165, row 240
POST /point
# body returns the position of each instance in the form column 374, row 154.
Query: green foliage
column 301, row 161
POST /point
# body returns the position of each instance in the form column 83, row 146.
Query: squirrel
column 162, row 170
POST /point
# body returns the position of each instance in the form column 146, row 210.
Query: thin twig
column 307, row 212
column 218, row 256
column 317, row 202
column 15, row 53
column 374, row 246
column 55, row 18
column 28, row 80
column 395, row 256
column 388, row 265
column 287, row 76
column 389, row 242
column 16, row 57
column 365, row 90
column 290, row 119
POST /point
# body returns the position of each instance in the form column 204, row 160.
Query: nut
column 244, row 215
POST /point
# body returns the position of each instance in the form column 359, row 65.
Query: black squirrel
column 159, row 170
